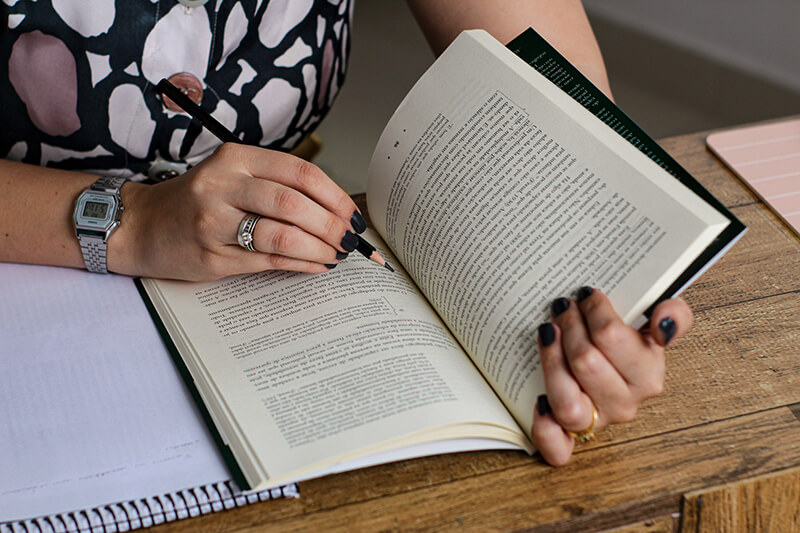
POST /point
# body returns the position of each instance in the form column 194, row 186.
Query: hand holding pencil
column 243, row 209
column 224, row 135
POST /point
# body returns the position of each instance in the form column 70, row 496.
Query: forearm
column 36, row 216
column 186, row 227
column 562, row 22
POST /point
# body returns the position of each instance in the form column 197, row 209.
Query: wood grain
column 724, row 432
column 691, row 152
column 669, row 524
column 738, row 359
column 600, row 489
column 765, row 503
column 765, row 262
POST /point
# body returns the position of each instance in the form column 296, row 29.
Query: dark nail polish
column 547, row 334
column 559, row 306
column 331, row 266
column 341, row 255
column 543, row 405
column 667, row 327
column 349, row 241
column 358, row 222
column 583, row 293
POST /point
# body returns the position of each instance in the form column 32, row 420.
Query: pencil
column 197, row 113
column 369, row 251
column 223, row 134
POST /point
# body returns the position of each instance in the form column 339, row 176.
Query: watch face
column 95, row 210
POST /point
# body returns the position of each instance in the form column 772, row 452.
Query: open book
column 494, row 192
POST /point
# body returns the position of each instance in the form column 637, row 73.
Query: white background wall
column 760, row 37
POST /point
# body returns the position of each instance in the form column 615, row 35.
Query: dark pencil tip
column 389, row 268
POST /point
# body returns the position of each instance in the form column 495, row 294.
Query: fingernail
column 358, row 222
column 559, row 306
column 667, row 327
column 341, row 255
column 542, row 405
column 332, row 266
column 547, row 334
column 349, row 241
column 583, row 293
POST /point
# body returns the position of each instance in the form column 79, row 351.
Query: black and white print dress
column 79, row 91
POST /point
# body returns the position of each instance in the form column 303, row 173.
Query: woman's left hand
column 592, row 360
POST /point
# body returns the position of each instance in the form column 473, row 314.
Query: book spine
column 148, row 512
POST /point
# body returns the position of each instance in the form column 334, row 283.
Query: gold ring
column 587, row 434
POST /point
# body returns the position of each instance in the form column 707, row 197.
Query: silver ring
column 246, row 229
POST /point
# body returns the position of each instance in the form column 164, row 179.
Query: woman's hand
column 591, row 359
column 186, row 228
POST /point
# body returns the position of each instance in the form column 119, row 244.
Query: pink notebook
column 767, row 159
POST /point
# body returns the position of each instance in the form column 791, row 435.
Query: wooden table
column 719, row 450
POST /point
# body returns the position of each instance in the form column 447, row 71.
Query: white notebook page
column 92, row 407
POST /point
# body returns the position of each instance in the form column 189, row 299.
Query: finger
column 245, row 261
column 596, row 375
column 571, row 407
column 670, row 320
column 548, row 436
column 279, row 202
column 273, row 237
column 300, row 175
column 624, row 347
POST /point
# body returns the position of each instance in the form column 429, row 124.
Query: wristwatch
column 97, row 214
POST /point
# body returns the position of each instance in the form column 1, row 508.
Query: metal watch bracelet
column 94, row 245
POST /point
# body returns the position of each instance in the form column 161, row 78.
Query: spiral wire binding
column 147, row 512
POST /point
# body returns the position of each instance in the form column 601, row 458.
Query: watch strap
column 94, row 247
column 108, row 184
column 94, row 253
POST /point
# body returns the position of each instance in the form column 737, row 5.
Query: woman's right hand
column 186, row 228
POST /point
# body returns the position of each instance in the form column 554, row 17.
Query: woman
column 80, row 101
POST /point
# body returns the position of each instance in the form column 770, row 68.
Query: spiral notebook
column 767, row 159
column 99, row 430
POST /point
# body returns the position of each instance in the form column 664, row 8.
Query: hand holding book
column 596, row 365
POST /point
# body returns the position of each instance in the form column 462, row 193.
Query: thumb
column 670, row 319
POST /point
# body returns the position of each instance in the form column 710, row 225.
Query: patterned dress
column 79, row 91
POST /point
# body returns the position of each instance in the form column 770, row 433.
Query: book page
column 499, row 193
column 304, row 371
